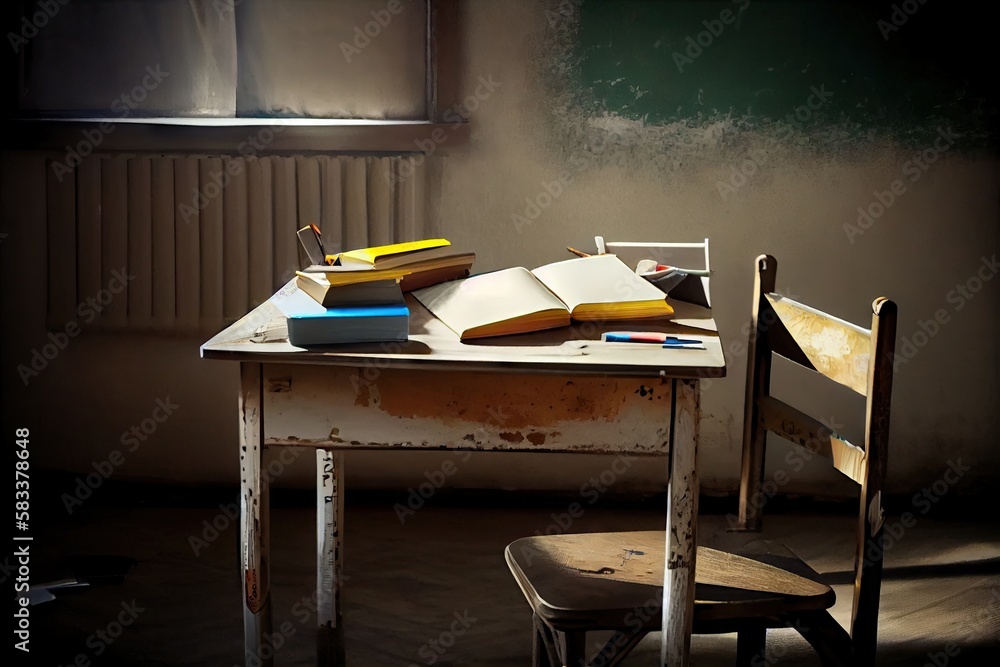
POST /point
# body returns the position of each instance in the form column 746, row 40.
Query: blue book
column 353, row 324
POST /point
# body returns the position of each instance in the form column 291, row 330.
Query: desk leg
column 254, row 528
column 682, row 526
column 329, row 557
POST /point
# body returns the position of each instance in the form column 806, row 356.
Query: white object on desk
column 696, row 292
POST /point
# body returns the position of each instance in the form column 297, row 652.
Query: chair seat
column 614, row 581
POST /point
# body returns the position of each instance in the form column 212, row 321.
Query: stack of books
column 416, row 263
column 363, row 312
column 357, row 296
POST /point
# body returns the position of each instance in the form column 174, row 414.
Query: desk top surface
column 261, row 336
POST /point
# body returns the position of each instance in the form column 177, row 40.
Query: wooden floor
column 407, row 584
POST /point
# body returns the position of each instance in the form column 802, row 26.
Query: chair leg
column 829, row 639
column 574, row 648
column 751, row 644
column 543, row 647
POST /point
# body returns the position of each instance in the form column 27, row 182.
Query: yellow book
column 414, row 275
column 391, row 256
column 596, row 288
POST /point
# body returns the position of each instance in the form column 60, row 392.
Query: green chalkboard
column 817, row 64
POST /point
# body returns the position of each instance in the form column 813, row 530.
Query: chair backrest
column 659, row 251
column 861, row 359
column 685, row 256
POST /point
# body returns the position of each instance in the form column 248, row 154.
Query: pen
column 319, row 238
column 676, row 344
column 645, row 337
column 682, row 343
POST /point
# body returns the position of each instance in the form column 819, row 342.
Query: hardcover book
column 595, row 288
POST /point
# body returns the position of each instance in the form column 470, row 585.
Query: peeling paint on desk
column 538, row 439
column 472, row 396
column 410, row 409
column 364, row 396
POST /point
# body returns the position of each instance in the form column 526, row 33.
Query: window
column 218, row 63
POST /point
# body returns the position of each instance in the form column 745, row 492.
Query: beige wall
column 660, row 188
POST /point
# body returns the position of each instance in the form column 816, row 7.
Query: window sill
column 246, row 136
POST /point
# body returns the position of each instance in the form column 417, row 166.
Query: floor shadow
column 986, row 566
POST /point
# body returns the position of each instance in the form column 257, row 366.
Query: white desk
column 555, row 391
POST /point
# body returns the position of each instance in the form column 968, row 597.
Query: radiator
column 174, row 244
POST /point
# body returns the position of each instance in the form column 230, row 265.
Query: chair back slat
column 780, row 418
column 837, row 349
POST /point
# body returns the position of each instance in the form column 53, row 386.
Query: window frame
column 264, row 135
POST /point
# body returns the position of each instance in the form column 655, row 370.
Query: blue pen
column 638, row 337
column 684, row 345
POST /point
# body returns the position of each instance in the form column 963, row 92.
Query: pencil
column 576, row 252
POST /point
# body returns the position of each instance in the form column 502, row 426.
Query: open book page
column 602, row 287
column 493, row 304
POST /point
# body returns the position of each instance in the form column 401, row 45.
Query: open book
column 596, row 288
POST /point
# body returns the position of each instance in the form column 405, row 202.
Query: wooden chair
column 613, row 581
